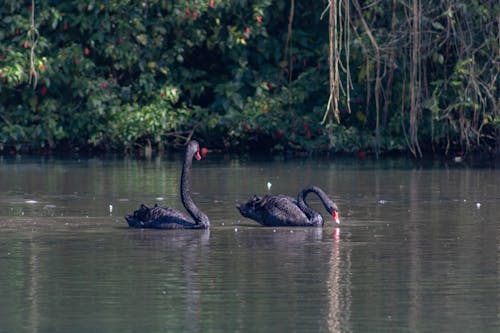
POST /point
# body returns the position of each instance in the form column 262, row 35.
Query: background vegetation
column 123, row 75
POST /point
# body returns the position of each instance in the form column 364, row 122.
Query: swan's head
column 195, row 150
column 332, row 208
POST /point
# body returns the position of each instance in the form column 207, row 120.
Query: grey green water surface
column 418, row 249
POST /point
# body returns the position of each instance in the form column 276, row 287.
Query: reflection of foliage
column 118, row 74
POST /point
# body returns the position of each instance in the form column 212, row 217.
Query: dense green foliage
column 126, row 74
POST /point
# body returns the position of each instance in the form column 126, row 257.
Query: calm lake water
column 418, row 248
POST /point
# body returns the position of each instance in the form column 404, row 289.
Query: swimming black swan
column 282, row 210
column 168, row 218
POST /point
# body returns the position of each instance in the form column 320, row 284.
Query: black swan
column 282, row 210
column 168, row 218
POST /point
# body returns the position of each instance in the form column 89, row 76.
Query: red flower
column 194, row 16
column 26, row 44
column 86, row 51
column 247, row 30
column 211, row 4
column 258, row 19
column 104, row 85
column 65, row 26
column 42, row 67
column 43, row 90
column 203, row 152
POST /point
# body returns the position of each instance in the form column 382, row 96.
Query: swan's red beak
column 197, row 155
column 335, row 216
column 203, row 152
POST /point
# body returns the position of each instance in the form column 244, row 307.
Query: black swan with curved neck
column 168, row 218
column 282, row 210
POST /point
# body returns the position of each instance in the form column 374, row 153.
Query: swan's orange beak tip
column 335, row 216
column 197, row 155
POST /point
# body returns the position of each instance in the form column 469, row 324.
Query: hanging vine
column 33, row 36
column 338, row 22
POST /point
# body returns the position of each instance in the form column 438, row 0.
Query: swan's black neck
column 186, row 199
column 301, row 199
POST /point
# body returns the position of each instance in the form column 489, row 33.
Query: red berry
column 247, row 30
column 258, row 19
column 43, row 90
column 26, row 45
column 86, row 51
column 211, row 4
column 42, row 67
column 104, row 85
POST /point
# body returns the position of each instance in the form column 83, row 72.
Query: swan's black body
column 168, row 218
column 282, row 210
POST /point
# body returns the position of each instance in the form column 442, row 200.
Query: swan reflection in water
column 182, row 256
column 339, row 286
